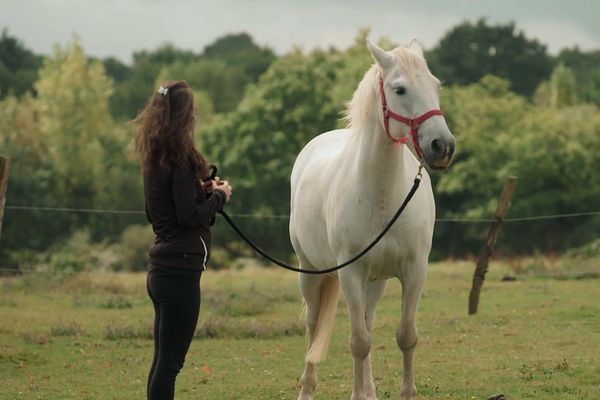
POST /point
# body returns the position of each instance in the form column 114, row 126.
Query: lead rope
column 409, row 196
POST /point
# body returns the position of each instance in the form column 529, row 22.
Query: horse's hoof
column 305, row 396
column 408, row 393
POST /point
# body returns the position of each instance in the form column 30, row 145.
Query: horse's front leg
column 407, row 334
column 360, row 340
column 310, row 286
column 375, row 291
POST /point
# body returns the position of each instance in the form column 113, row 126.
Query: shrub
column 114, row 331
column 77, row 254
column 133, row 249
column 66, row 329
column 116, row 302
column 36, row 338
column 225, row 327
column 589, row 250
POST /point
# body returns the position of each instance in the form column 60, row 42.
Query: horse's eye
column 400, row 90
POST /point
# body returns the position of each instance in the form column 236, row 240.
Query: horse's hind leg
column 407, row 334
column 310, row 286
column 375, row 291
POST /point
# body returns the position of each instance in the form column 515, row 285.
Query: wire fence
column 267, row 236
column 284, row 216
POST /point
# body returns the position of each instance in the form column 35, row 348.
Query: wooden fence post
column 4, row 164
column 490, row 242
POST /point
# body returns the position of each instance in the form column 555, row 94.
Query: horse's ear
column 415, row 46
column 383, row 58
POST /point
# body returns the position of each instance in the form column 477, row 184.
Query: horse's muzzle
column 440, row 152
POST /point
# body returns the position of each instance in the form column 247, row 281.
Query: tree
column 30, row 179
column 470, row 51
column 164, row 55
column 239, row 50
column 66, row 151
column 550, row 151
column 135, row 85
column 86, row 151
column 224, row 84
column 562, row 87
column 351, row 65
column 586, row 68
column 484, row 118
column 555, row 158
column 290, row 105
column 72, row 104
column 256, row 146
column 592, row 92
column 18, row 66
column 559, row 91
column 116, row 70
column 206, row 81
column 131, row 94
column 223, row 71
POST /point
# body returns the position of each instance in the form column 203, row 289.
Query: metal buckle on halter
column 420, row 171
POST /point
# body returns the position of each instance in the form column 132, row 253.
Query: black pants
column 175, row 293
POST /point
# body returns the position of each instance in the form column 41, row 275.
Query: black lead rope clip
column 213, row 173
column 212, row 176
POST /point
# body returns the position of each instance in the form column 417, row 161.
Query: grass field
column 88, row 337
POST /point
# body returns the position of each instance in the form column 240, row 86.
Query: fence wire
column 284, row 216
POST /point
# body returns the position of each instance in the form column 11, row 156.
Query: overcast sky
column 119, row 27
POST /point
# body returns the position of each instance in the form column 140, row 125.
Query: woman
column 180, row 208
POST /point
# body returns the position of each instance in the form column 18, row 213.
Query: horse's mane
column 365, row 99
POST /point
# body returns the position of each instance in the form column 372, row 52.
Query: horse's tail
column 330, row 294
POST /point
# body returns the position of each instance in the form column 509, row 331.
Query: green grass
column 87, row 337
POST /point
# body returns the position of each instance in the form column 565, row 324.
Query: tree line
column 514, row 109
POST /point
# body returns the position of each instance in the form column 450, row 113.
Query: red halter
column 412, row 122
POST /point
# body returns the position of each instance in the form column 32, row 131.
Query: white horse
column 346, row 185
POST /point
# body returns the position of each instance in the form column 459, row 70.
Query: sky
column 120, row 27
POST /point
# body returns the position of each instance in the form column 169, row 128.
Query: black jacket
column 180, row 213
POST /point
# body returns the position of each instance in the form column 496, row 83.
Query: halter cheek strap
column 412, row 122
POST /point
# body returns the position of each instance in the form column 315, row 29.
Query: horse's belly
column 379, row 274
column 389, row 260
column 401, row 248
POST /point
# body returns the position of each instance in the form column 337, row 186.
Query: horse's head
column 411, row 102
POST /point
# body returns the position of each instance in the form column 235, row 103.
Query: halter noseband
column 412, row 122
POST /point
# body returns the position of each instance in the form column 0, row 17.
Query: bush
column 66, row 329
column 114, row 331
column 133, row 249
column 77, row 254
column 589, row 250
column 116, row 302
column 226, row 327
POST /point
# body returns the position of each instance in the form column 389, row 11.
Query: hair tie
column 163, row 90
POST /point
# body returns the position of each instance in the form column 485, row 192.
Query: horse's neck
column 379, row 162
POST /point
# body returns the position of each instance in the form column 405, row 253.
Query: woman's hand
column 209, row 186
column 224, row 186
column 217, row 183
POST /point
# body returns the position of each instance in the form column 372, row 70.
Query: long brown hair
column 165, row 135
